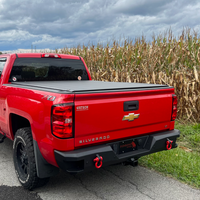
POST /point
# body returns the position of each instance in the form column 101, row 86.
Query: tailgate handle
column 131, row 105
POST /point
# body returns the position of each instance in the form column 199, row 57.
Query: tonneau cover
column 88, row 86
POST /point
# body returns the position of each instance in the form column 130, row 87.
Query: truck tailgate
column 102, row 117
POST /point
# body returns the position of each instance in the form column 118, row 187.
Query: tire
column 24, row 160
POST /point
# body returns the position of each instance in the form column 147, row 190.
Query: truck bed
column 99, row 108
column 88, row 86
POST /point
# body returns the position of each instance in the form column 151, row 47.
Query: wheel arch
column 17, row 122
column 44, row 169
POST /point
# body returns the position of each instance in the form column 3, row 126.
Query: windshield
column 46, row 69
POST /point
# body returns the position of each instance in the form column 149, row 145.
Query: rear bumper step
column 83, row 159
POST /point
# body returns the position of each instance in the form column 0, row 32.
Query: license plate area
column 127, row 146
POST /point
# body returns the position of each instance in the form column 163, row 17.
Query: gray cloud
column 60, row 23
column 142, row 7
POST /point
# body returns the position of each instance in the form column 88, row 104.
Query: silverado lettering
column 94, row 139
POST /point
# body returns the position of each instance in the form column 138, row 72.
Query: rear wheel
column 24, row 160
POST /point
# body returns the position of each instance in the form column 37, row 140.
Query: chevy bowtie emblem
column 130, row 117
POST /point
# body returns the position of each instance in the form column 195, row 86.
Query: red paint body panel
column 30, row 105
column 103, row 117
column 38, row 55
column 120, row 134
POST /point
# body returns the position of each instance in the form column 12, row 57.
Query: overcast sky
column 60, row 23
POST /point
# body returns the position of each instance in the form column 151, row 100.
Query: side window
column 2, row 64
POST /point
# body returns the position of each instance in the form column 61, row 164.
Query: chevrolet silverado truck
column 58, row 118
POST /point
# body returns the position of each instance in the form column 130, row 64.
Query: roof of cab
column 39, row 55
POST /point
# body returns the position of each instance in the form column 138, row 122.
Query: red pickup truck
column 59, row 118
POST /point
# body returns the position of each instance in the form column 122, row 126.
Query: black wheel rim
column 22, row 160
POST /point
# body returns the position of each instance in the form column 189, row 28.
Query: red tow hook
column 99, row 160
column 169, row 144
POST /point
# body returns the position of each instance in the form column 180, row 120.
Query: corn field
column 166, row 60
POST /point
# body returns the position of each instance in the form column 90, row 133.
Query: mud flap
column 44, row 169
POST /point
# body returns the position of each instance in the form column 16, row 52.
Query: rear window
column 47, row 69
column 2, row 64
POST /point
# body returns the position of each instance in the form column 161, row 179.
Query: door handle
column 131, row 105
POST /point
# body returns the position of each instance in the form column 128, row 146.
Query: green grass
column 190, row 136
column 182, row 163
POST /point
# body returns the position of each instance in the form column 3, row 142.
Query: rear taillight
column 174, row 107
column 62, row 120
column 44, row 55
